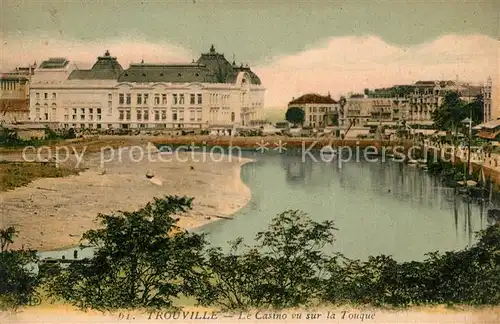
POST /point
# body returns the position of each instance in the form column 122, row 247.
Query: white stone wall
column 315, row 113
column 89, row 103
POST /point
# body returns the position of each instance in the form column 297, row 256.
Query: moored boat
column 328, row 150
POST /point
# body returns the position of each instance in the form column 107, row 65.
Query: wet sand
column 53, row 213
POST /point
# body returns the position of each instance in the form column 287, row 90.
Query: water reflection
column 379, row 207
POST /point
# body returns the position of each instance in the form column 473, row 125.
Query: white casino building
column 210, row 92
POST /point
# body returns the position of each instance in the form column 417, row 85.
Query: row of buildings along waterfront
column 413, row 104
column 209, row 92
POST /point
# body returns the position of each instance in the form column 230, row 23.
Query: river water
column 378, row 207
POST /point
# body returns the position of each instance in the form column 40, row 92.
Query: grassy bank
column 18, row 174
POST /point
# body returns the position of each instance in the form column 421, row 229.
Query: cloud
column 350, row 64
column 26, row 50
column 339, row 65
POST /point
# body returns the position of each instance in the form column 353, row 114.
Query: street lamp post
column 468, row 122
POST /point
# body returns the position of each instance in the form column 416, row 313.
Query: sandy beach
column 53, row 213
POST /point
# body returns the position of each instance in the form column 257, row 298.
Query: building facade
column 319, row 111
column 210, row 92
column 429, row 95
column 487, row 101
column 14, row 95
column 413, row 103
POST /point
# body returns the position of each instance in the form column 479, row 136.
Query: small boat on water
column 469, row 183
column 422, row 161
column 328, row 150
column 398, row 157
column 411, row 161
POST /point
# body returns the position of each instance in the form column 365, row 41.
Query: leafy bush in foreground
column 141, row 260
column 282, row 270
column 17, row 283
column 470, row 276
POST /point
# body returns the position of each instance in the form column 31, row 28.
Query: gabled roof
column 106, row 68
column 313, row 98
column 488, row 135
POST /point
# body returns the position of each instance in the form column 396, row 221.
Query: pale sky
column 294, row 46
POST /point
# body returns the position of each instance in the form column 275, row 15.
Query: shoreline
column 70, row 205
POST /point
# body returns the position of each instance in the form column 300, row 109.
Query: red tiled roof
column 7, row 105
column 313, row 98
column 488, row 135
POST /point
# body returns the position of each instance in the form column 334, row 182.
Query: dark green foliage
column 453, row 111
column 392, row 92
column 17, row 283
column 59, row 134
column 470, row 276
column 141, row 260
column 295, row 115
column 9, row 137
column 282, row 270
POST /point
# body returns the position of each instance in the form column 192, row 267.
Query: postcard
column 203, row 161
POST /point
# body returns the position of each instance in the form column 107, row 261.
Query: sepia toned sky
column 295, row 46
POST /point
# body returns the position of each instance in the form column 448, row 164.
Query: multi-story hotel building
column 205, row 93
column 318, row 110
column 413, row 103
column 429, row 95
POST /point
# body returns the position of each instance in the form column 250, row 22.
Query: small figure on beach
column 149, row 174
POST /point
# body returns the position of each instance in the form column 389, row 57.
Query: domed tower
column 217, row 63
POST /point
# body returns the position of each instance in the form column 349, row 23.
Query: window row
column 321, row 109
column 82, row 117
column 193, row 114
column 159, row 99
column 45, row 106
column 46, row 95
column 217, row 98
column 84, row 111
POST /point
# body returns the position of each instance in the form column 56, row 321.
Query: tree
column 450, row 114
column 469, row 276
column 283, row 269
column 475, row 108
column 141, row 259
column 7, row 237
column 334, row 119
column 295, row 115
column 18, row 282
